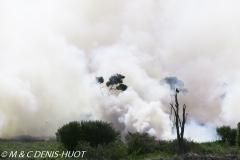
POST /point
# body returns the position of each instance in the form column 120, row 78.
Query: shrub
column 170, row 147
column 140, row 143
column 85, row 146
column 228, row 135
column 232, row 138
column 93, row 132
column 98, row 132
column 190, row 146
column 113, row 150
column 238, row 134
column 69, row 135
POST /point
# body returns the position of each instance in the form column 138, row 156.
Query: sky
column 51, row 52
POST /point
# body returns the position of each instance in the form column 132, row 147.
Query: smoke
column 175, row 83
column 51, row 52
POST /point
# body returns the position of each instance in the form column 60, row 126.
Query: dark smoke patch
column 222, row 96
column 173, row 83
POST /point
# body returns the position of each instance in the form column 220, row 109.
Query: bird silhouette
column 177, row 90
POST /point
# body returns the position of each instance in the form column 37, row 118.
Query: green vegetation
column 238, row 134
column 100, row 141
column 119, row 150
column 227, row 134
column 113, row 150
column 69, row 135
column 29, row 145
column 140, row 143
column 115, row 80
column 93, row 132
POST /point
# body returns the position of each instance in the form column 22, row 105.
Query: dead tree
column 180, row 124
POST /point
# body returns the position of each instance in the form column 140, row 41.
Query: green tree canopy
column 115, row 82
column 238, row 134
column 227, row 134
column 93, row 132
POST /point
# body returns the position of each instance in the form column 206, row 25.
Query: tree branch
column 111, row 89
column 176, row 115
column 101, row 90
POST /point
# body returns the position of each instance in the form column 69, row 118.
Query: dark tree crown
column 122, row 87
column 100, row 80
column 115, row 79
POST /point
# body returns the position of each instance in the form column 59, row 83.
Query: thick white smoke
column 51, row 52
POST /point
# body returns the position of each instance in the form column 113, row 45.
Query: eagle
column 177, row 90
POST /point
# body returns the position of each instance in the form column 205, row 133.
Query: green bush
column 98, row 132
column 169, row 147
column 190, row 146
column 69, row 135
column 238, row 134
column 94, row 132
column 228, row 135
column 113, row 150
column 140, row 143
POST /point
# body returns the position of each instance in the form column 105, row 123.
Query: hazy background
column 51, row 52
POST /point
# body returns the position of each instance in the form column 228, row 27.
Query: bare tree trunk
column 179, row 124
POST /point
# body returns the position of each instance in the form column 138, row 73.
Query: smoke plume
column 51, row 52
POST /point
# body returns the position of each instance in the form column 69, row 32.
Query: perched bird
column 177, row 90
